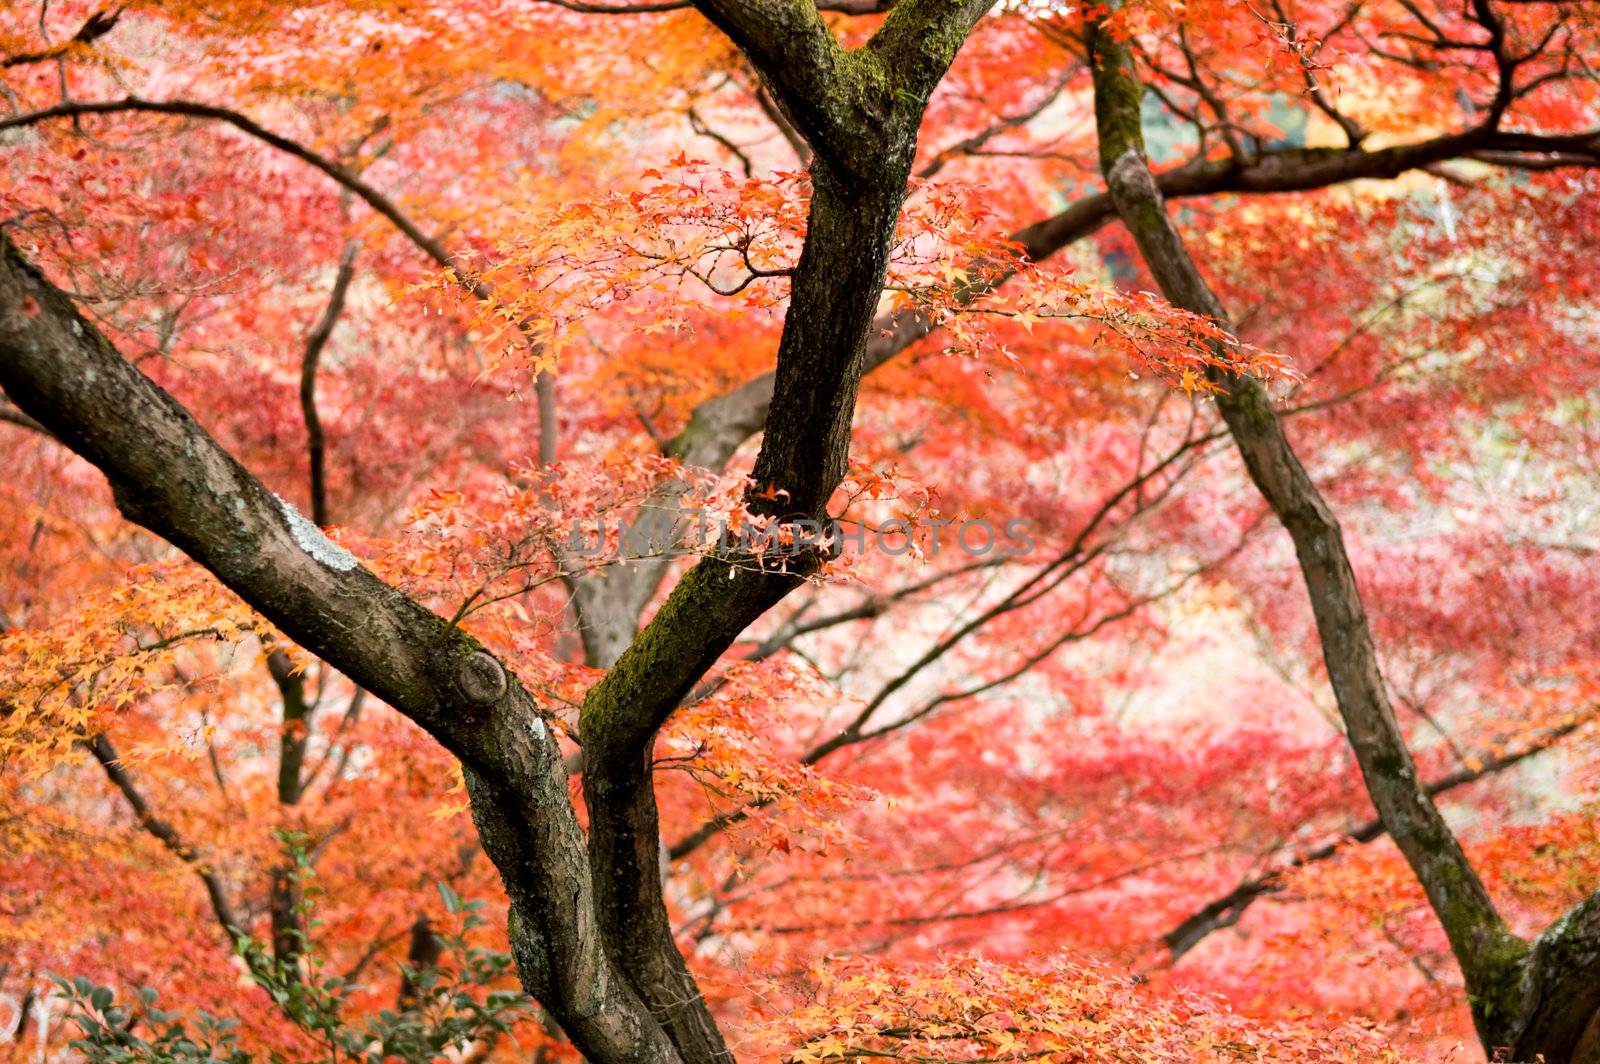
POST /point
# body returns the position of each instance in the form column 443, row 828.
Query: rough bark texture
column 860, row 112
column 170, row 476
column 1525, row 1000
column 588, row 925
column 610, row 603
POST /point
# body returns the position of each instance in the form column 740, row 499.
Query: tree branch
column 860, row 112
column 1225, row 910
column 381, row 204
column 1497, row 965
column 971, row 144
column 12, row 416
column 94, row 27
column 316, row 441
column 170, row 476
column 106, row 754
column 190, row 109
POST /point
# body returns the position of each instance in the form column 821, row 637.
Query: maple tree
column 376, row 371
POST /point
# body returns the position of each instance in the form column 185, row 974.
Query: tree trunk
column 1526, row 1000
column 587, row 924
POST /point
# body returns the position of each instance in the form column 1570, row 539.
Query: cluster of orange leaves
column 725, row 744
column 132, row 643
column 694, row 233
column 1056, row 1012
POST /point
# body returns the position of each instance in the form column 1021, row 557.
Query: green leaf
column 452, row 900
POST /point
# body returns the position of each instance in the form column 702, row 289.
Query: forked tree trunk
column 587, row 924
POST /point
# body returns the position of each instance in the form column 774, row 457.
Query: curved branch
column 1225, row 910
column 316, row 440
column 106, row 754
column 190, row 109
column 1523, row 998
column 94, row 27
column 381, row 204
column 169, row 475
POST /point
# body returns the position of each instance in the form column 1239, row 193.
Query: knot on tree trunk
column 481, row 679
column 1129, row 178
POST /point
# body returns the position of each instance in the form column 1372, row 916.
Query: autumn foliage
column 492, row 292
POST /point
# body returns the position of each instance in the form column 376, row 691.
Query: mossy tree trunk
column 1529, row 1000
column 587, row 923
